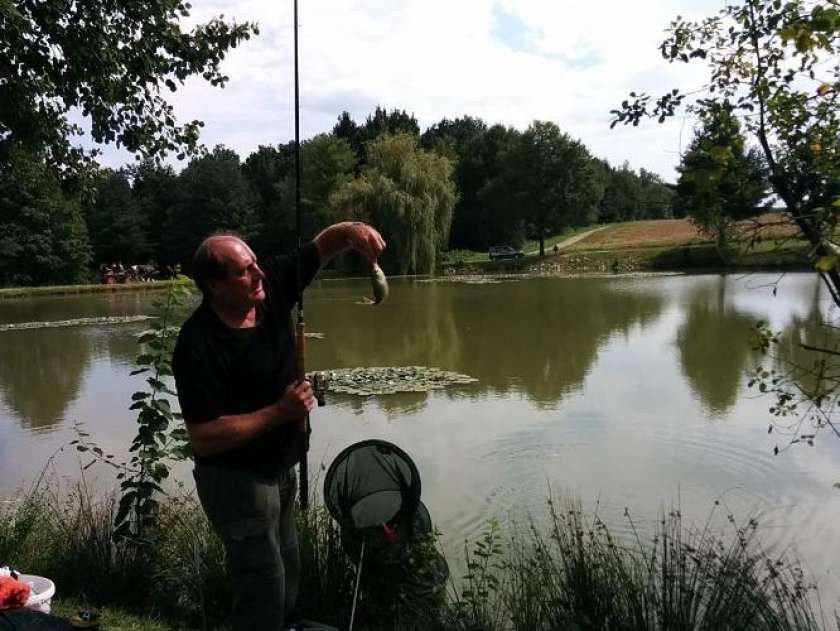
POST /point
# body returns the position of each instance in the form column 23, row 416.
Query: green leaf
column 125, row 506
column 826, row 263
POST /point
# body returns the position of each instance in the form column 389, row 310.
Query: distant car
column 500, row 252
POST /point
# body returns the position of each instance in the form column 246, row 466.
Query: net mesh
column 372, row 489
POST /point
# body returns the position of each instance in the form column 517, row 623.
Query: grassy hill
column 767, row 241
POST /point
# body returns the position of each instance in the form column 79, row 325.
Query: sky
column 505, row 61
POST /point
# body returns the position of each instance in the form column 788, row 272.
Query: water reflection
column 41, row 372
column 539, row 337
column 714, row 345
column 813, row 330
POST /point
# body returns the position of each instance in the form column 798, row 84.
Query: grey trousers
column 255, row 519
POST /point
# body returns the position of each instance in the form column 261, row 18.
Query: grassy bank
column 100, row 288
column 765, row 242
column 572, row 574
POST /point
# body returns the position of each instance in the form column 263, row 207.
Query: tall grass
column 573, row 574
column 578, row 576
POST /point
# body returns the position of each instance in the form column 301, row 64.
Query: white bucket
column 43, row 589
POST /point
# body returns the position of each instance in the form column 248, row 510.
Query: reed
column 572, row 574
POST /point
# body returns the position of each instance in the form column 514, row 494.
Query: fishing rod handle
column 300, row 351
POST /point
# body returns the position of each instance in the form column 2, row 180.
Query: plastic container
column 43, row 589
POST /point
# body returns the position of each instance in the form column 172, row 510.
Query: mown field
column 767, row 241
column 676, row 232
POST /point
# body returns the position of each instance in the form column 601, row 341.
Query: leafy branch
column 159, row 439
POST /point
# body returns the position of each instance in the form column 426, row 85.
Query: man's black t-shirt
column 221, row 371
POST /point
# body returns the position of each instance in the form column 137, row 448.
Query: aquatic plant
column 392, row 379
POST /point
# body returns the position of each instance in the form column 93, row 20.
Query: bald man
column 235, row 374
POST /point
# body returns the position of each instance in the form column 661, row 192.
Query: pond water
column 621, row 391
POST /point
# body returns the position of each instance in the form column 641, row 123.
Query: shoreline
column 7, row 293
column 687, row 259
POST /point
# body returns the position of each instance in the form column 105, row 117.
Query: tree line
column 461, row 184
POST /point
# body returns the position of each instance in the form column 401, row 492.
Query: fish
column 379, row 284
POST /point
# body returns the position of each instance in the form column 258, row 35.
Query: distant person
column 556, row 249
column 234, row 366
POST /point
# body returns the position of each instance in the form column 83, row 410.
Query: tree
column 326, row 164
column 381, row 121
column 621, row 195
column 110, row 61
column 772, row 64
column 409, row 195
column 549, row 179
column 721, row 182
column 655, row 196
column 213, row 195
column 767, row 65
column 475, row 151
column 117, row 228
column 265, row 170
column 154, row 190
column 43, row 238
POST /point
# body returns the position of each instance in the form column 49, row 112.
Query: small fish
column 379, row 284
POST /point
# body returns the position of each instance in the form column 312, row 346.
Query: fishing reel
column 320, row 381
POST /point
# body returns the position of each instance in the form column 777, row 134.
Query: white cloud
column 440, row 59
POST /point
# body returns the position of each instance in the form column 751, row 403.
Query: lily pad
column 20, row 326
column 393, row 379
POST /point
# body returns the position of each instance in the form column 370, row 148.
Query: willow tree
column 409, row 195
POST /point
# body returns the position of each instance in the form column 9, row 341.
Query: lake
column 622, row 391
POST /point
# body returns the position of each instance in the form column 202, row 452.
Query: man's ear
column 212, row 287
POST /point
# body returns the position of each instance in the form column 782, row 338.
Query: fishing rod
column 300, row 328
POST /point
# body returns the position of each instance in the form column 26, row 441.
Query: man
column 235, row 373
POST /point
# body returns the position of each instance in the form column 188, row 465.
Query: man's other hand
column 365, row 239
column 297, row 401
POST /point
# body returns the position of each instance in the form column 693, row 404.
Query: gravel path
column 571, row 240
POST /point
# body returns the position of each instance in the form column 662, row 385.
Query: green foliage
column 154, row 191
column 160, row 437
column 476, row 151
column 629, row 196
column 111, row 61
column 479, row 603
column 409, row 195
column 547, row 182
column 772, row 65
column 769, row 67
column 265, row 170
column 721, row 182
column 380, row 122
column 327, row 163
column 806, row 393
column 43, row 237
column 116, row 223
column 572, row 575
column 212, row 195
column 579, row 576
